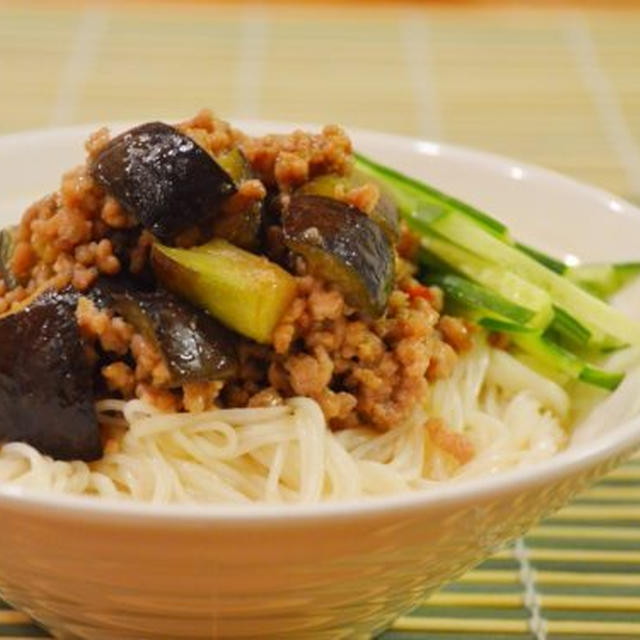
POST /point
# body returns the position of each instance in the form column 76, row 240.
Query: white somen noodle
column 286, row 454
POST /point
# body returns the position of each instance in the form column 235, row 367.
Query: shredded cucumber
column 511, row 287
column 569, row 329
column 503, row 282
column 507, row 318
column 497, row 325
column 601, row 319
column 603, row 280
column 548, row 261
column 600, row 279
column 411, row 188
column 550, row 354
column 472, row 295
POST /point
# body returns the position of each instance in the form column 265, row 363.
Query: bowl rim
column 622, row 442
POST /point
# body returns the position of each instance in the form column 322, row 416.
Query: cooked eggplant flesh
column 46, row 383
column 240, row 227
column 341, row 245
column 163, row 178
column 193, row 345
column 235, row 163
column 246, row 292
column 385, row 213
column 238, row 222
column 7, row 246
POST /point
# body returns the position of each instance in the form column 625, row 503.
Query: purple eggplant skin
column 343, row 246
column 195, row 347
column 46, row 382
column 163, row 178
column 385, row 213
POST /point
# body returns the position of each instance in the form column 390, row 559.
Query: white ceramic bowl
column 99, row 570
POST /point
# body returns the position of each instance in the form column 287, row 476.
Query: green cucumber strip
column 430, row 264
column 502, row 326
column 601, row 319
column 427, row 210
column 600, row 378
column 566, row 329
column 403, row 183
column 550, row 354
column 600, row 279
column 503, row 282
column 543, row 258
column 473, row 295
column 626, row 271
column 603, row 280
column 569, row 328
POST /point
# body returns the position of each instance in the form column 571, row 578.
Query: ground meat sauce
column 362, row 371
column 288, row 161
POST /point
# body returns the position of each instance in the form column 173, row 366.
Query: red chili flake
column 419, row 291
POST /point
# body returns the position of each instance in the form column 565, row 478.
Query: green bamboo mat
column 557, row 87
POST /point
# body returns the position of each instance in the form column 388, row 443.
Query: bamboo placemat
column 557, row 87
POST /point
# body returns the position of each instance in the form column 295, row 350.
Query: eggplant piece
column 46, row 384
column 124, row 242
column 7, row 246
column 240, row 224
column 343, row 246
column 235, row 163
column 194, row 346
column 163, row 178
column 385, row 212
column 106, row 288
column 240, row 227
column 246, row 292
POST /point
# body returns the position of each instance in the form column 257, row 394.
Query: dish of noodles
column 199, row 315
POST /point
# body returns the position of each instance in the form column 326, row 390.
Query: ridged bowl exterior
column 316, row 578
